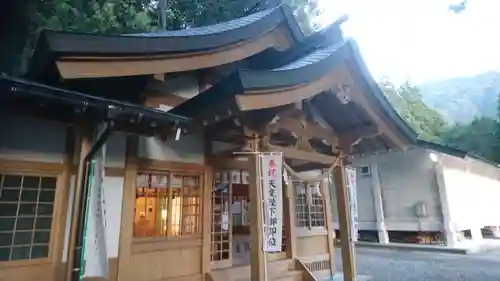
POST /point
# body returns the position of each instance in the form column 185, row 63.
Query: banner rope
column 317, row 178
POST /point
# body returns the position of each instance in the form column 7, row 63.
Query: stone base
column 340, row 277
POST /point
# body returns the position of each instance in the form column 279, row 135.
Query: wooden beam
column 307, row 130
column 347, row 246
column 257, row 255
column 293, row 153
column 229, row 164
column 155, row 99
column 364, row 132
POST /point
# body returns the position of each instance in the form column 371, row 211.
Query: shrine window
column 309, row 205
column 167, row 204
column 26, row 208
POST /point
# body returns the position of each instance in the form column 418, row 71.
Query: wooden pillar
column 128, row 205
column 207, row 222
column 449, row 227
column 206, row 227
column 85, row 146
column 329, row 223
column 289, row 213
column 347, row 246
column 257, row 258
column 383, row 235
column 61, row 214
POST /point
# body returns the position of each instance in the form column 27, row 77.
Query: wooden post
column 61, row 214
column 289, row 213
column 128, row 205
column 206, row 249
column 383, row 235
column 257, row 259
column 85, row 146
column 347, row 246
column 207, row 222
column 329, row 223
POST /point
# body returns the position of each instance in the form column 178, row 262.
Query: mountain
column 459, row 100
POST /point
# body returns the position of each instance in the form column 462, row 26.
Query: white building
column 427, row 189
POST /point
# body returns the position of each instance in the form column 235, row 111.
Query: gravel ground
column 387, row 265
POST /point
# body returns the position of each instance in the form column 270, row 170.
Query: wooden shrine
column 186, row 196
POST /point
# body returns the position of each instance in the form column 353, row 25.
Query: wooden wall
column 160, row 260
column 37, row 148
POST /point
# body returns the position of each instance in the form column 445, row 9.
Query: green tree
column 408, row 103
column 477, row 137
column 496, row 134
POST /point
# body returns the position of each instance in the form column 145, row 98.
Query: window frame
column 366, row 173
column 40, row 169
column 169, row 173
column 308, row 206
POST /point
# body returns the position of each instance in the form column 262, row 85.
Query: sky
column 421, row 40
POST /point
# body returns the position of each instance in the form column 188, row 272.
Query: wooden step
column 292, row 275
column 275, row 270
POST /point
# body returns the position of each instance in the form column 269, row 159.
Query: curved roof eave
column 262, row 83
column 304, row 70
column 248, row 88
column 272, row 58
column 173, row 42
column 369, row 85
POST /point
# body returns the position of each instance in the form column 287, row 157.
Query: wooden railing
column 307, row 274
column 317, row 267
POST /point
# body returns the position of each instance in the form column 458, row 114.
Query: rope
column 317, row 178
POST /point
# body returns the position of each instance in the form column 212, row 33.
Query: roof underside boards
column 26, row 97
column 248, row 90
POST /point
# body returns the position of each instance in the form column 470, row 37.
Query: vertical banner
column 272, row 180
column 94, row 252
column 353, row 201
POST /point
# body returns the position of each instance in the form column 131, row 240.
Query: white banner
column 353, row 201
column 272, row 175
column 94, row 244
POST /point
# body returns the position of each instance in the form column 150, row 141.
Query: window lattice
column 301, row 207
column 167, row 205
column 191, row 206
column 26, row 207
column 309, row 206
column 317, row 209
column 220, row 224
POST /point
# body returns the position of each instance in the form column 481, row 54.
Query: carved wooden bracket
column 303, row 130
